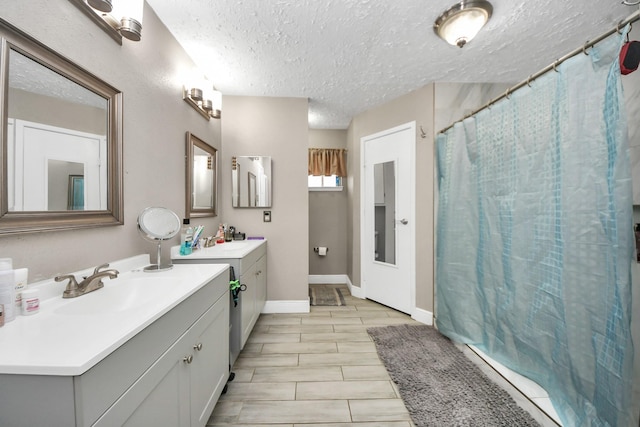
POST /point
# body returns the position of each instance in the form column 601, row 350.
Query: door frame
column 412, row 207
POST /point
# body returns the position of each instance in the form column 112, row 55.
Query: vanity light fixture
column 125, row 16
column 101, row 5
column 207, row 102
column 462, row 21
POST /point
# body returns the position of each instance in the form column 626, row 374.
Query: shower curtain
column 534, row 237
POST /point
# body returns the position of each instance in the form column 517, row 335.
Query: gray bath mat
column 439, row 385
column 325, row 295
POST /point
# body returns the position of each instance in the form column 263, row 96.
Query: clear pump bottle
column 186, row 237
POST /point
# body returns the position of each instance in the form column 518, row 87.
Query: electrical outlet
column 266, row 216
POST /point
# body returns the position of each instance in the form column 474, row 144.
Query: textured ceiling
column 30, row 76
column 348, row 56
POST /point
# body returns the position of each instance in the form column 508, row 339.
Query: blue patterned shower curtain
column 534, row 237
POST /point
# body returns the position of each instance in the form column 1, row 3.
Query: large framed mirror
column 201, row 179
column 251, row 181
column 61, row 135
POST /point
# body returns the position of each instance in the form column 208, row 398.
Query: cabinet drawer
column 251, row 258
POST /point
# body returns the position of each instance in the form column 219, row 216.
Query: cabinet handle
column 198, row 346
column 188, row 359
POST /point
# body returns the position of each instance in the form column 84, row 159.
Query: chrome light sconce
column 124, row 16
column 462, row 22
column 206, row 102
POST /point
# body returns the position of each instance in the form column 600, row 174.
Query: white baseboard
column 328, row 278
column 356, row 291
column 301, row 306
column 423, row 316
column 336, row 279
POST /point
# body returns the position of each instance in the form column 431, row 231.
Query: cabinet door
column 261, row 284
column 249, row 296
column 166, row 405
column 209, row 368
column 160, row 397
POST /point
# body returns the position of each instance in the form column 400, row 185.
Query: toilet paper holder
column 317, row 249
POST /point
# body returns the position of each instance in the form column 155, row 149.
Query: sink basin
column 118, row 295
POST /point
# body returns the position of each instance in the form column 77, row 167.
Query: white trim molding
column 328, row 278
column 287, row 306
column 422, row 316
column 356, row 291
column 333, row 279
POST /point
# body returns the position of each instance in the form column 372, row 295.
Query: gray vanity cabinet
column 254, row 297
column 249, row 261
column 169, row 374
column 182, row 386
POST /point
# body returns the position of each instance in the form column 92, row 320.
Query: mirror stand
column 151, row 268
column 158, row 224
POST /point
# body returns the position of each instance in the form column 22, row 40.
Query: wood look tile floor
column 319, row 368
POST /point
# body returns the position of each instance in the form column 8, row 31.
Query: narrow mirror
column 251, row 181
column 61, row 138
column 385, row 211
column 201, row 178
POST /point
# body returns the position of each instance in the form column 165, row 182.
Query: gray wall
column 56, row 112
column 328, row 214
column 150, row 74
column 276, row 127
column 433, row 107
column 418, row 106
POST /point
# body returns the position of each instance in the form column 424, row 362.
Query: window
column 325, row 183
column 326, row 167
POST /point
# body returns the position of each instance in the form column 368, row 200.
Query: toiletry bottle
column 8, row 294
column 188, row 241
column 186, row 237
column 30, row 302
column 20, row 275
column 220, row 235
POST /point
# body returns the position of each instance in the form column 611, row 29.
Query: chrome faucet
column 88, row 284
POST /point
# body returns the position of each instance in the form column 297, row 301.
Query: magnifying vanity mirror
column 158, row 224
column 201, row 179
column 251, row 181
column 61, row 141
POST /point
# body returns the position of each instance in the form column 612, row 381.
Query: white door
column 46, row 159
column 388, row 217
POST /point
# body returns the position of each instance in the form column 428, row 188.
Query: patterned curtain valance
column 327, row 162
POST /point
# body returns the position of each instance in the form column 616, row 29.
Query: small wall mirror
column 201, row 178
column 61, row 141
column 251, row 181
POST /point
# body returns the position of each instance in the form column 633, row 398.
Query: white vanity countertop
column 233, row 249
column 69, row 336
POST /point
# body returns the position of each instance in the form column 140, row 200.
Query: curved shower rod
column 583, row 49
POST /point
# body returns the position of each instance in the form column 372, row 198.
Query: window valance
column 327, row 162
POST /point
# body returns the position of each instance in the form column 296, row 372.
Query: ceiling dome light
column 461, row 22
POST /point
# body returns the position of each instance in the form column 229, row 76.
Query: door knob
column 188, row 359
column 198, row 346
column 404, row 221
